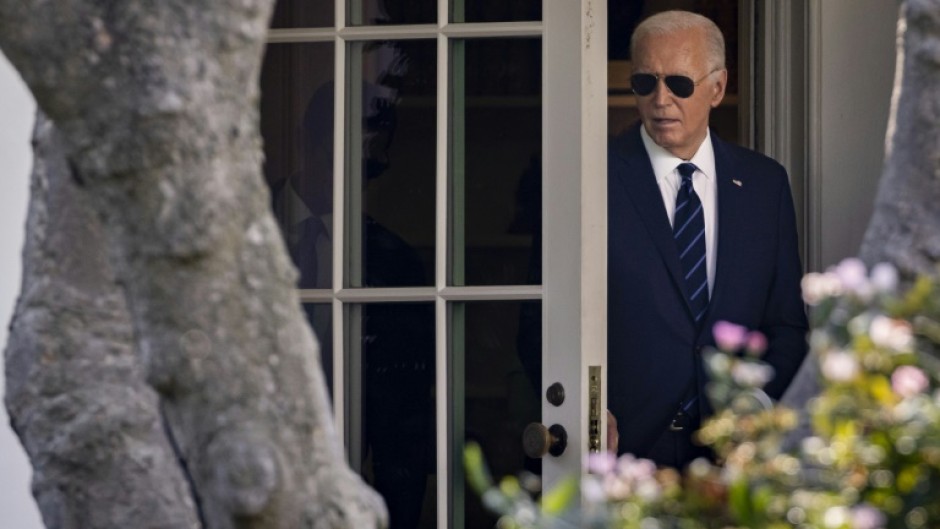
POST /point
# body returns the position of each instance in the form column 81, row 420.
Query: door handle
column 537, row 440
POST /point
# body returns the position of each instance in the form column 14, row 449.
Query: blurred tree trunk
column 154, row 111
column 905, row 226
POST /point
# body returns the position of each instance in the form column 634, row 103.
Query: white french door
column 438, row 169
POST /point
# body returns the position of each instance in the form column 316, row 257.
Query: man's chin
column 665, row 139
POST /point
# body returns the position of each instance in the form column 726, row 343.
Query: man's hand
column 613, row 436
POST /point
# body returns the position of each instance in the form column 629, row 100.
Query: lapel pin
column 737, row 182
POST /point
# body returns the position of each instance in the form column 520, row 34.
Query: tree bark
column 75, row 391
column 905, row 226
column 157, row 108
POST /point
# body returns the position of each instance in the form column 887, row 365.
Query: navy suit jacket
column 654, row 346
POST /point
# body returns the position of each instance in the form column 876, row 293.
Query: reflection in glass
column 392, row 137
column 297, row 127
column 496, row 169
column 392, row 437
column 496, row 377
column 495, row 10
column 320, row 317
column 383, row 12
column 303, row 14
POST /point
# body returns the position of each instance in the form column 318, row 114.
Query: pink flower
column 756, row 343
column 907, row 381
column 601, row 462
column 634, row 469
column 853, row 275
column 728, row 336
column 864, row 516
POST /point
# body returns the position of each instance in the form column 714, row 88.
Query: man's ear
column 718, row 87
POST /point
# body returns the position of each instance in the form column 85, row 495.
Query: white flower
column 884, row 278
column 616, row 488
column 751, row 375
column 700, row 467
column 812, row 445
column 817, row 287
column 890, row 333
column 840, row 366
column 649, row 490
column 860, row 324
column 718, row 363
column 836, row 516
column 591, row 490
column 526, row 515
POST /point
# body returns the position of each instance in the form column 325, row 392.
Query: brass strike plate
column 594, row 409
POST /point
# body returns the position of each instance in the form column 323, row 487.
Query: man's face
column 676, row 124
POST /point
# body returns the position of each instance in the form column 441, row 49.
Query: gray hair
column 668, row 22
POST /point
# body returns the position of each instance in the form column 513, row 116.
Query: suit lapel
column 644, row 193
column 731, row 201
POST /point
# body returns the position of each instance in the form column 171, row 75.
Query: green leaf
column 740, row 502
column 478, row 475
column 560, row 497
column 509, row 485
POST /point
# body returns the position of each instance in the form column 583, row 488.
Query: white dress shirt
column 705, row 183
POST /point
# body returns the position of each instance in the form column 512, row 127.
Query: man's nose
column 661, row 94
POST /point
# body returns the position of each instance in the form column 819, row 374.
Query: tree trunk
column 157, row 108
column 76, row 394
column 905, row 226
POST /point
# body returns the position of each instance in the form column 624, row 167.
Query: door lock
column 594, row 409
column 555, row 394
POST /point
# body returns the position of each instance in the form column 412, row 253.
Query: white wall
column 857, row 40
column 17, row 508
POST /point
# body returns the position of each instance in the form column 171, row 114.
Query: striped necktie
column 688, row 229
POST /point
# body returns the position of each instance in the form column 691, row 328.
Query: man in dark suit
column 699, row 231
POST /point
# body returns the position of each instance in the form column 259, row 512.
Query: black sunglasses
column 643, row 84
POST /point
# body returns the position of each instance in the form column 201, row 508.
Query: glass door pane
column 496, row 372
column 320, row 318
column 495, row 10
column 392, row 130
column 297, row 127
column 496, row 172
column 385, row 12
column 391, row 383
column 303, row 14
